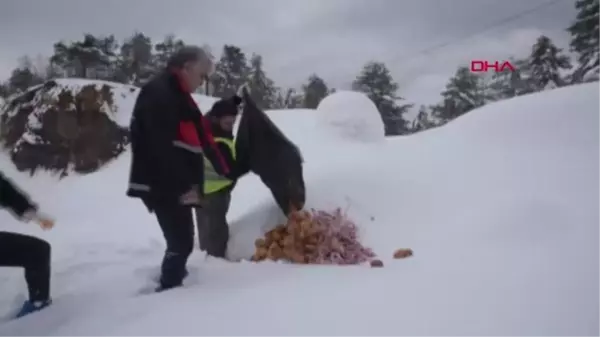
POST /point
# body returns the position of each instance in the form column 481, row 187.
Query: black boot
column 162, row 286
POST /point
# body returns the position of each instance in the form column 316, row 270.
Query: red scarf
column 188, row 131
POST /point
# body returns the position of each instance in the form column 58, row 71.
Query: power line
column 480, row 31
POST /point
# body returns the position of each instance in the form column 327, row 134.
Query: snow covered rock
column 70, row 124
column 65, row 125
column 351, row 115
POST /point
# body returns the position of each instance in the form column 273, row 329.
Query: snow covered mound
column 351, row 115
column 70, row 124
column 62, row 126
column 500, row 207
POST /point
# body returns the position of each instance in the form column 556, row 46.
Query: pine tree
column 293, row 100
column 231, row 72
column 62, row 59
column 4, row 91
column 501, row 85
column 522, row 80
column 135, row 61
column 585, row 38
column 164, row 50
column 53, row 71
column 93, row 57
column 108, row 59
column 447, row 110
column 423, row 120
column 262, row 89
column 546, row 62
column 39, row 66
column 464, row 92
column 87, row 54
column 24, row 76
column 376, row 81
column 314, row 92
column 507, row 83
column 288, row 99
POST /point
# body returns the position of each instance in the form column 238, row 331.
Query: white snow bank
column 351, row 115
column 500, row 207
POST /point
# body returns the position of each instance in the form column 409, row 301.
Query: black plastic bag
column 271, row 156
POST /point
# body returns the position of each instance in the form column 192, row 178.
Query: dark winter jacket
column 13, row 199
column 168, row 137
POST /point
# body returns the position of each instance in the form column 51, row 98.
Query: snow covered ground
column 500, row 207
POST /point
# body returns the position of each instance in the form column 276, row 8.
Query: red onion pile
column 315, row 237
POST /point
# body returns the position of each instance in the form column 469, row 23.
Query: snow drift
column 352, row 116
column 500, row 207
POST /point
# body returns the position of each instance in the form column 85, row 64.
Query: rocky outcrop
column 64, row 126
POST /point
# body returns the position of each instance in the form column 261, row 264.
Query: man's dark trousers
column 177, row 224
column 31, row 253
column 213, row 230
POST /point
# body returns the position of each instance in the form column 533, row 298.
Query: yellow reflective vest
column 214, row 182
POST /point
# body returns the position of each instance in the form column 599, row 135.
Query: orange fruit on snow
column 403, row 253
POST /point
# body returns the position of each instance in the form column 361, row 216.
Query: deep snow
column 352, row 116
column 500, row 207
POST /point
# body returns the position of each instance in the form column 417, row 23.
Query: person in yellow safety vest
column 213, row 229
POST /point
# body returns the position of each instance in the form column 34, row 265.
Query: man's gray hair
column 188, row 54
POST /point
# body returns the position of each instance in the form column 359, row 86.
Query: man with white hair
column 169, row 139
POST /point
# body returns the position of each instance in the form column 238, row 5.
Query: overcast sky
column 332, row 38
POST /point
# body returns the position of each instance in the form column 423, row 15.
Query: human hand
column 44, row 221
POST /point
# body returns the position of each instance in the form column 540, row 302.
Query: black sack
column 271, row 156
